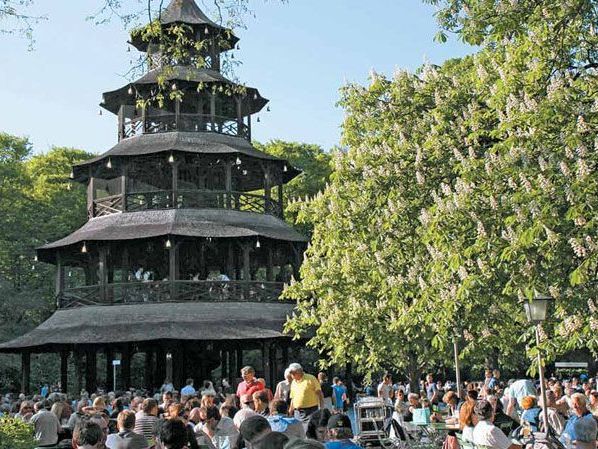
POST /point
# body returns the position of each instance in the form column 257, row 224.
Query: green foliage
column 37, row 205
column 15, row 434
column 316, row 166
column 465, row 189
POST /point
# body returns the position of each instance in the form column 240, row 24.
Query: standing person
column 385, row 390
column 250, row 384
column 339, row 395
column 189, row 389
column 283, row 388
column 326, row 389
column 490, row 381
column 126, row 438
column 431, row 389
column 46, row 424
column 306, row 394
column 517, row 391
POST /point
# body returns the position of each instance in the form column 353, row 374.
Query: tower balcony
column 184, row 122
column 185, row 199
column 170, row 291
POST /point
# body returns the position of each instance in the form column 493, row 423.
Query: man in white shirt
column 485, row 433
column 188, row 389
column 385, row 390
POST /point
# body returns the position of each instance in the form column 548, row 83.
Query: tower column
column 25, row 372
column 90, row 370
column 59, row 278
column 125, row 367
column 109, row 369
column 64, row 369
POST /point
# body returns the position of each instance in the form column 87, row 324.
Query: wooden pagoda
column 185, row 252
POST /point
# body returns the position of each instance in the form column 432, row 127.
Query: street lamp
column 456, row 336
column 536, row 311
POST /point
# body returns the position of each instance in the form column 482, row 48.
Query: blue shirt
column 338, row 391
column 342, row 444
column 430, row 390
column 581, row 428
column 531, row 416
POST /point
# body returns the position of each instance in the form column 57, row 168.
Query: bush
column 15, row 434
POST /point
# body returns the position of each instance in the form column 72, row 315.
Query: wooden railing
column 184, row 122
column 167, row 291
column 187, row 199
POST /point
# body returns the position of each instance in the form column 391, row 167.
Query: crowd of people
column 303, row 411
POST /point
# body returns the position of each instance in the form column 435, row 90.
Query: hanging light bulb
column 268, row 109
column 258, row 120
column 84, row 248
column 284, row 168
column 238, row 161
column 238, row 47
column 32, row 267
column 99, row 111
column 130, row 91
column 173, row 87
column 72, row 175
column 232, row 56
column 35, row 258
column 171, row 158
column 70, row 273
column 168, row 244
column 245, row 172
column 206, row 30
column 128, row 49
column 255, row 97
column 109, row 163
column 257, row 243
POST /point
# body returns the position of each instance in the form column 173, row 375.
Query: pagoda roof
column 187, row 12
column 158, row 321
column 186, row 142
column 202, row 223
column 183, row 76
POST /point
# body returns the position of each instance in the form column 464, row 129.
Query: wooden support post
column 249, row 127
column 109, row 369
column 64, row 369
column 159, row 372
column 175, row 183
column 267, row 187
column 270, row 264
column 281, row 200
column 224, row 362
column 177, row 114
column 239, row 361
column 285, row 354
column 173, row 265
column 246, row 262
column 230, row 261
column 79, row 369
column 102, row 272
column 25, row 373
column 90, row 194
column 148, row 380
column 228, row 182
column 266, row 363
column 169, row 371
column 143, row 119
column 239, row 117
column 125, row 367
column 90, row 371
column 121, row 122
column 59, row 279
column 296, row 260
column 123, row 186
column 273, row 365
column 213, row 111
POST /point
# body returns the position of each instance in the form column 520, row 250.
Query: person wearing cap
column 339, row 433
column 306, row 392
column 485, row 433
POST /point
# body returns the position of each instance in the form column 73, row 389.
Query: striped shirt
column 145, row 425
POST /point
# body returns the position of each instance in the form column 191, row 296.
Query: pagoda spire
column 185, row 11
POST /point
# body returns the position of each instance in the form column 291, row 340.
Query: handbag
column 421, row 416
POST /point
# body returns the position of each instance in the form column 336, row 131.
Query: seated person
column 339, row 433
column 531, row 412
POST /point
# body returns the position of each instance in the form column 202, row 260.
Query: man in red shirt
column 250, row 384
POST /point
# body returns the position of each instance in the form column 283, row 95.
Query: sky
column 297, row 53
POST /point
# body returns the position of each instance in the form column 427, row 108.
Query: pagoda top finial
column 186, row 12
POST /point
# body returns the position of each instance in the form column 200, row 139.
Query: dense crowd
column 303, row 412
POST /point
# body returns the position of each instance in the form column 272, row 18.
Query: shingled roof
column 151, row 322
column 188, row 13
column 187, row 142
column 215, row 223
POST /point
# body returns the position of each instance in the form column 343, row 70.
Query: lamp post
column 536, row 311
column 457, row 368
